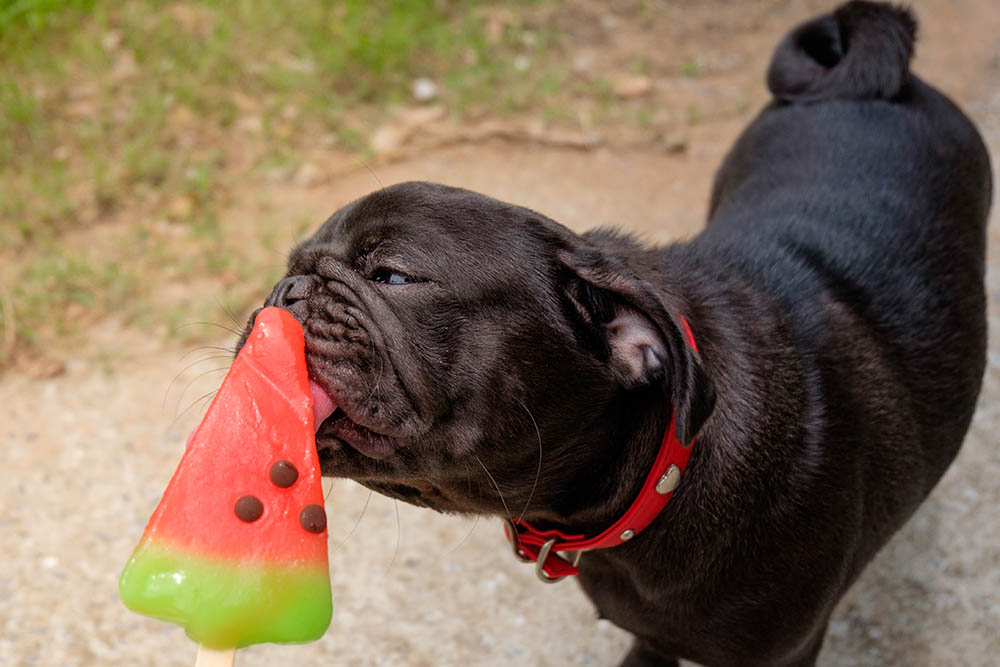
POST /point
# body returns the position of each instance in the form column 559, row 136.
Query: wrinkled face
column 443, row 326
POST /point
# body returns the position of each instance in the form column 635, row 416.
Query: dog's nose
column 289, row 290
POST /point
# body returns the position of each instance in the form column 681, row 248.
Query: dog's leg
column 642, row 655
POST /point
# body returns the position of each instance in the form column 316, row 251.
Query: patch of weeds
column 106, row 191
column 352, row 139
column 199, row 180
column 552, row 82
column 21, row 120
column 689, row 68
column 515, row 101
column 218, row 260
column 15, row 228
column 22, row 19
column 145, row 155
column 65, row 282
column 146, row 162
column 647, row 11
column 558, row 114
column 48, row 201
column 598, row 89
column 200, row 187
column 644, row 117
column 205, row 224
column 639, row 66
column 278, row 160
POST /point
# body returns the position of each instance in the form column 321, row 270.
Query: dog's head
column 482, row 357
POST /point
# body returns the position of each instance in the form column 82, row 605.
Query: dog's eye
column 390, row 277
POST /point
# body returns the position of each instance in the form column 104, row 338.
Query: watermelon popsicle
column 236, row 550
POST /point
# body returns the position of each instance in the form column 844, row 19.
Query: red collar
column 541, row 546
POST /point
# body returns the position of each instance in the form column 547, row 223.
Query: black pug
column 818, row 350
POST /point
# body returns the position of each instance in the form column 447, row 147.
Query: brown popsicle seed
column 313, row 518
column 249, row 508
column 283, row 474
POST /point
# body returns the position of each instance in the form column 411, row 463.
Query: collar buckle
column 550, row 566
column 543, row 560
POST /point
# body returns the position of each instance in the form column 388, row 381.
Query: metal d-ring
column 543, row 555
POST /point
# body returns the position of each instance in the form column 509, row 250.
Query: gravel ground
column 87, row 453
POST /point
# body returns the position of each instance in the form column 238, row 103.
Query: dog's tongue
column 323, row 407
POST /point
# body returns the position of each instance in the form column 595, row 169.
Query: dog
column 813, row 357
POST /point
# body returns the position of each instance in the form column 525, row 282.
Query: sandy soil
column 87, row 453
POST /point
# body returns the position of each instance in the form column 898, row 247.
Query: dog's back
column 839, row 284
column 865, row 193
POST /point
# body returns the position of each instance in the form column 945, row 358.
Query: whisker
column 370, row 171
column 212, row 356
column 199, row 348
column 399, row 531
column 467, row 535
column 193, row 403
column 495, row 486
column 197, row 377
column 177, row 377
column 538, row 471
column 235, row 332
column 378, row 379
column 468, row 476
column 231, row 313
column 354, row 527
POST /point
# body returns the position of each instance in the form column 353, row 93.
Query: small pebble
column 424, row 90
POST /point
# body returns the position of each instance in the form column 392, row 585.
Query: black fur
column 861, row 51
column 837, row 301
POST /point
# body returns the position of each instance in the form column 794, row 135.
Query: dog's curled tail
column 860, row 51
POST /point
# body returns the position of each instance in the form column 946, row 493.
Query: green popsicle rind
column 222, row 604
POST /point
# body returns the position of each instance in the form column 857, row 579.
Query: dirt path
column 86, row 454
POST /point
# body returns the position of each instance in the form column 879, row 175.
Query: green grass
column 134, row 113
column 689, row 68
column 59, row 287
column 29, row 17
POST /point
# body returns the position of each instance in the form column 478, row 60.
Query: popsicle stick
column 210, row 657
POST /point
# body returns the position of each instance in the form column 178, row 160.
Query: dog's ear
column 628, row 324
